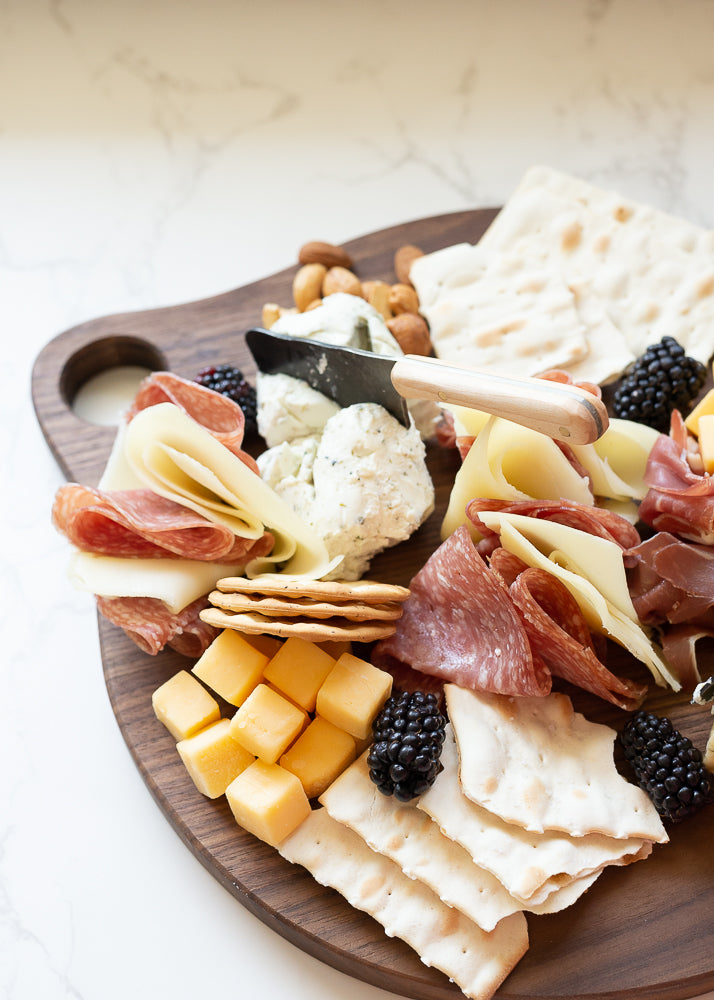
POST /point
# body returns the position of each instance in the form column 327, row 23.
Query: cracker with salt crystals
column 311, row 629
column 414, row 841
column 477, row 961
column 498, row 312
column 537, row 763
column 536, row 868
column 652, row 272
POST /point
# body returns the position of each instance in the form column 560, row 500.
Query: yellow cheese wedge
column 617, row 461
column 213, row 758
column 705, row 407
column 184, row 706
column 268, row 801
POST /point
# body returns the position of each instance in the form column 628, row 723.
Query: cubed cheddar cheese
column 231, row 666
column 299, row 669
column 184, row 706
column 319, row 756
column 352, row 695
column 704, row 408
column 706, row 441
column 268, row 801
column 268, row 644
column 266, row 723
column 213, row 758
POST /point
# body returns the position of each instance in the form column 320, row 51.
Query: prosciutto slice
column 217, row 413
column 679, row 499
column 141, row 524
column 149, row 623
column 460, row 625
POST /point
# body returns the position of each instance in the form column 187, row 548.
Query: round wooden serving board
column 643, row 931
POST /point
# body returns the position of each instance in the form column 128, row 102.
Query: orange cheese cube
column 268, row 644
column 352, row 695
column 268, row 801
column 298, row 669
column 231, row 666
column 704, row 407
column 319, row 756
column 266, row 723
column 184, row 706
column 213, row 758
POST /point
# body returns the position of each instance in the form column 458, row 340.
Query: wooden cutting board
column 645, row 931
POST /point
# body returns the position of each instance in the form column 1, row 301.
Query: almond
column 403, row 260
column 318, row 252
column 271, row 312
column 411, row 332
column 377, row 294
column 403, row 299
column 341, row 279
column 307, row 284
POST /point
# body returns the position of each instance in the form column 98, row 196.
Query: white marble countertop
column 154, row 153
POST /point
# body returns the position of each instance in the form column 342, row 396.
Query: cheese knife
column 350, row 375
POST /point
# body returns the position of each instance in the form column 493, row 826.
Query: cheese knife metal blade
column 349, row 375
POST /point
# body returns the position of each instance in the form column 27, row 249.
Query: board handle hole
column 99, row 381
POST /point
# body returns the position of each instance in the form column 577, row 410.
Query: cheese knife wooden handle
column 561, row 411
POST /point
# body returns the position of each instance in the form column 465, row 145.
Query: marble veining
column 152, row 153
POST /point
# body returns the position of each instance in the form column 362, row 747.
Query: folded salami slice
column 141, row 524
column 151, row 625
column 221, row 416
column 460, row 624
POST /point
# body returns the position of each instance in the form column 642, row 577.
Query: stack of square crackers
column 569, row 276
column 527, row 812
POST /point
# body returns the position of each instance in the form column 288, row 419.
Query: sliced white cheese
column 510, row 462
column 177, row 458
column 591, row 575
column 617, row 461
column 176, row 582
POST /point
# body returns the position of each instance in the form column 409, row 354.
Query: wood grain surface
column 645, row 931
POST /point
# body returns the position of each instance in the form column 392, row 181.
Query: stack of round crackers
column 316, row 610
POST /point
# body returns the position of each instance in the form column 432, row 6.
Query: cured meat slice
column 459, row 624
column 679, row 500
column 680, row 647
column 151, row 625
column 594, row 520
column 141, row 524
column 559, row 634
column 221, row 416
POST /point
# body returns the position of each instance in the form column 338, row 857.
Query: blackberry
column 666, row 765
column 407, row 739
column 229, row 381
column 662, row 379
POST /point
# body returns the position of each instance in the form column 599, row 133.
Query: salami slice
column 559, row 634
column 152, row 626
column 594, row 520
column 141, row 524
column 221, row 416
column 460, row 625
